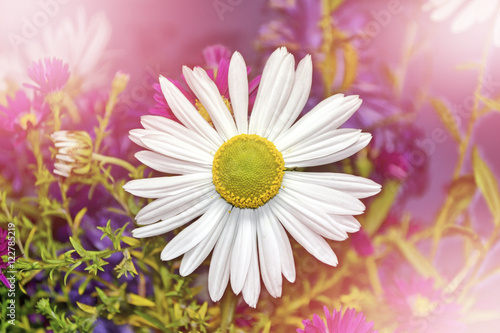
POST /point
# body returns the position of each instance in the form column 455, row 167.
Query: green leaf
column 87, row 308
column 139, row 300
column 83, row 286
column 459, row 196
column 380, row 207
column 71, row 269
column 487, row 183
column 152, row 320
column 78, row 218
column 131, row 241
column 447, row 118
column 79, row 249
column 492, row 104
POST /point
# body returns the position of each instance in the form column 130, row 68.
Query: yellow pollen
column 248, row 170
column 204, row 113
column 422, row 306
column 27, row 118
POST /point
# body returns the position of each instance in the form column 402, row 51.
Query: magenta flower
column 21, row 114
column 4, row 247
column 349, row 322
column 4, row 250
column 419, row 307
column 213, row 54
column 362, row 243
column 217, row 59
column 50, row 75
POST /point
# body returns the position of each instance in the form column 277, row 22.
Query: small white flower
column 468, row 13
column 237, row 179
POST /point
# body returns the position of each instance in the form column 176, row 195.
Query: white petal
column 358, row 187
column 324, row 198
column 166, row 207
column 169, row 224
column 170, row 146
column 445, row 10
column 311, row 241
column 135, row 136
column 178, row 131
column 208, row 94
column 170, row 165
column 362, row 142
column 347, row 223
column 164, row 186
column 187, row 113
column 267, row 81
column 238, row 91
column 326, row 144
column 269, row 254
column 286, row 253
column 496, row 31
column 195, row 232
column 218, row 274
column 251, row 289
column 318, row 221
column 242, row 249
column 326, row 116
column 194, row 257
column 296, row 102
column 275, row 96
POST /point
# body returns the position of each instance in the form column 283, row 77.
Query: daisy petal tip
column 236, row 56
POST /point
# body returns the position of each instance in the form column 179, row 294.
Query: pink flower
column 50, row 75
column 217, row 59
column 362, row 243
column 419, row 307
column 349, row 322
column 21, row 114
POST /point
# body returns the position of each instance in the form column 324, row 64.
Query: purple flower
column 396, row 155
column 50, row 75
column 349, row 322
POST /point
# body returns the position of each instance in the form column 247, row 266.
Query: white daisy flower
column 237, row 179
column 468, row 13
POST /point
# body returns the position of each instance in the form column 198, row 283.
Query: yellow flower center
column 422, row 306
column 248, row 170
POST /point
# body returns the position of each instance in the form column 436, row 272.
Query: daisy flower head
column 467, row 14
column 236, row 178
column 348, row 322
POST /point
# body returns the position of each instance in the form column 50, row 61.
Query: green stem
column 227, row 309
column 114, row 160
column 465, row 142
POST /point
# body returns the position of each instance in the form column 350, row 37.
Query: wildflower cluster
column 234, row 198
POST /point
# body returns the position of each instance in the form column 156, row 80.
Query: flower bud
column 74, row 153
